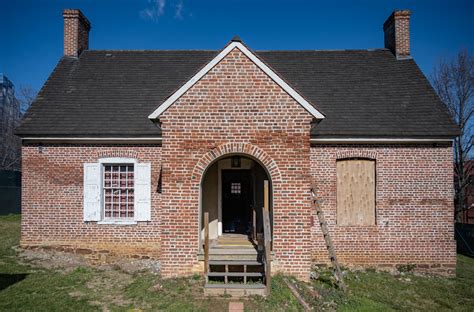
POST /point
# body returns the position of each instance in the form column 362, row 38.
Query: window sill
column 118, row 222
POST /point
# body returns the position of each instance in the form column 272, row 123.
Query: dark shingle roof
column 364, row 93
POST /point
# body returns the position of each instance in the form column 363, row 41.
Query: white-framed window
column 117, row 191
column 118, row 186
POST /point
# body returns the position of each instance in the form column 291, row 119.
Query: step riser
column 236, row 277
column 235, row 293
column 234, row 258
column 227, row 257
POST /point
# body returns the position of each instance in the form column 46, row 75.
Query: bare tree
column 10, row 155
column 454, row 83
column 14, row 106
column 25, row 95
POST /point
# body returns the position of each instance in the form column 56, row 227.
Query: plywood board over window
column 355, row 192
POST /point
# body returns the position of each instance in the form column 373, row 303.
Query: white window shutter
column 143, row 192
column 92, row 190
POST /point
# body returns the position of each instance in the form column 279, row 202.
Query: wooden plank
column 235, row 262
column 245, row 276
column 297, row 295
column 355, row 192
column 254, row 224
column 266, row 201
column 267, row 233
column 234, row 286
column 233, row 274
column 267, row 236
column 226, row 280
column 327, row 238
column 206, row 242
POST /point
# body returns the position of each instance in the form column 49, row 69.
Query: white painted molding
column 159, row 140
column 292, row 92
column 377, row 140
column 92, row 139
column 117, row 160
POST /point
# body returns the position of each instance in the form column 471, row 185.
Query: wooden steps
column 249, row 263
column 236, row 264
column 234, row 277
column 232, row 247
column 236, row 286
column 235, row 274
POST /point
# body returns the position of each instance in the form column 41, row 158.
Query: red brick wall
column 76, row 32
column 235, row 102
column 414, row 207
column 52, row 200
column 236, row 108
column 397, row 33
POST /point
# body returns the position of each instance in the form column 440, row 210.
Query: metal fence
column 465, row 238
column 10, row 192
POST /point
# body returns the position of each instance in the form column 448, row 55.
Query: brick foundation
column 98, row 254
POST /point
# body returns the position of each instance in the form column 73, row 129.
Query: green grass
column 372, row 291
column 28, row 288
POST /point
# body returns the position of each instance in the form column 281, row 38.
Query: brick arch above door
column 228, row 149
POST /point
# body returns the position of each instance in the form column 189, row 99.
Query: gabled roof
column 236, row 44
column 363, row 93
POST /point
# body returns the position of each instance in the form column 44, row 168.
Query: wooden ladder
column 327, row 238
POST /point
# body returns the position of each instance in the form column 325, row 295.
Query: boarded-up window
column 356, row 192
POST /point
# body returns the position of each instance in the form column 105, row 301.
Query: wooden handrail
column 206, row 242
column 254, row 224
column 267, row 236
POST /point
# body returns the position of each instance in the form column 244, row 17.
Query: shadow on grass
column 7, row 280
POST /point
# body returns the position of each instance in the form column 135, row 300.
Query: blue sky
column 32, row 31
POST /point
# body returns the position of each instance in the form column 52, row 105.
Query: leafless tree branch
column 454, row 83
column 25, row 95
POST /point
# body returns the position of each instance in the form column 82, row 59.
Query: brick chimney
column 76, row 32
column 397, row 33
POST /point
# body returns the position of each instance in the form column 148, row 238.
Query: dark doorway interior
column 237, row 200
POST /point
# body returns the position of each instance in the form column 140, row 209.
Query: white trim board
column 292, row 92
column 117, row 160
column 377, row 140
column 92, row 139
column 159, row 140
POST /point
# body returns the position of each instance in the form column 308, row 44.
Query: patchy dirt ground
column 67, row 262
column 50, row 259
column 101, row 290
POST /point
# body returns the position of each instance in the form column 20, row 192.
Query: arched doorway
column 232, row 192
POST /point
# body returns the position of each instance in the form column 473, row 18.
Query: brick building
column 467, row 216
column 124, row 152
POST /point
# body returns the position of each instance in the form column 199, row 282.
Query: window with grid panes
column 118, row 190
column 235, row 188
